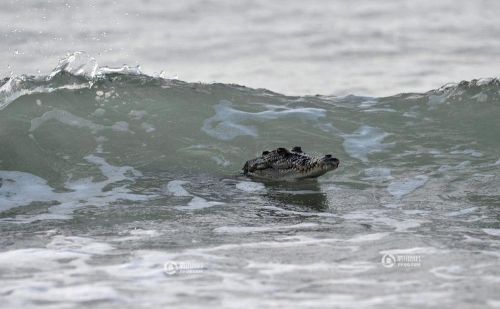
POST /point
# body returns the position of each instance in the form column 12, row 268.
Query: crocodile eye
column 282, row 150
column 297, row 149
column 265, row 152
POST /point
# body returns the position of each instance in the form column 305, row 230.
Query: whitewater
column 121, row 189
column 124, row 126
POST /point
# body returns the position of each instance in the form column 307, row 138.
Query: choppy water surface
column 117, row 188
column 294, row 47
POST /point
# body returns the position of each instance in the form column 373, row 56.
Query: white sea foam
column 458, row 167
column 13, row 89
column 74, row 294
column 120, row 126
column 492, row 232
column 137, row 114
column 494, row 303
column 368, row 237
column 60, row 270
column 402, row 187
column 148, row 127
column 250, row 186
column 461, row 212
column 69, row 119
column 368, row 103
column 175, row 187
column 378, row 173
column 99, row 112
column 378, row 217
column 145, row 233
column 411, row 114
column 376, row 110
column 65, row 118
column 69, row 272
column 273, row 269
column 297, row 270
column 400, row 225
column 481, row 97
column 257, row 229
column 470, row 152
column 449, row 272
column 301, row 213
column 138, row 234
column 415, row 250
column 435, row 100
column 21, row 189
column 328, row 127
column 220, row 160
column 229, row 123
column 199, row 203
column 364, row 141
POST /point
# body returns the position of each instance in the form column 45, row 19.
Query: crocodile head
column 282, row 164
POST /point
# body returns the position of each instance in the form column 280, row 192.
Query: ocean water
column 328, row 47
column 120, row 186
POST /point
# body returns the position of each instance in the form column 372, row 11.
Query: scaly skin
column 281, row 164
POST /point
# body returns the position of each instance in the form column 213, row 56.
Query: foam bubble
column 99, row 112
column 137, row 115
column 148, row 127
column 120, row 126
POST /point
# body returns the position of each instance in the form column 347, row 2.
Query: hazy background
column 328, row 47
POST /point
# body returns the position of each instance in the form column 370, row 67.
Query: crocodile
column 282, row 164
